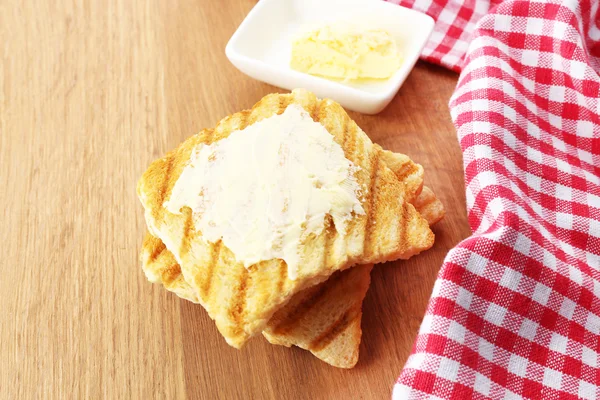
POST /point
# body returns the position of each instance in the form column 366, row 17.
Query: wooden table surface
column 90, row 93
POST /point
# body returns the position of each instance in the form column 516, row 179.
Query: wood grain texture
column 91, row 92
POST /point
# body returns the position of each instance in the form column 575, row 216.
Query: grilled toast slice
column 160, row 266
column 242, row 300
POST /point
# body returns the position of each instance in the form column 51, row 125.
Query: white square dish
column 261, row 46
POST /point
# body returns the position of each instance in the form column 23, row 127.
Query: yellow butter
column 346, row 53
column 266, row 188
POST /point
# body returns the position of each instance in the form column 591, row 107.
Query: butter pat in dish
column 261, row 47
column 345, row 52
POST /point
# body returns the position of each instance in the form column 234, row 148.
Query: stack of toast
column 321, row 309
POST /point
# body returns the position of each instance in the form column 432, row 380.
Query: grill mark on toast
column 316, row 112
column 156, row 251
column 372, row 200
column 405, row 170
column 330, row 236
column 170, row 273
column 231, row 124
column 402, row 227
column 284, row 101
column 326, row 337
column 345, row 131
column 238, row 302
column 262, row 104
column 187, row 229
column 162, row 191
column 349, row 143
column 259, row 110
column 209, row 136
column 292, row 319
column 350, row 140
column 209, row 269
column 243, row 120
column 282, row 276
column 349, row 148
column 352, row 131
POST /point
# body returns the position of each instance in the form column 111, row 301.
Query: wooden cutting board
column 90, row 93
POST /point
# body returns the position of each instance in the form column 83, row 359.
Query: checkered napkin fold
column 515, row 311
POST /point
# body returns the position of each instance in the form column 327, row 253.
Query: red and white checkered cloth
column 515, row 312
